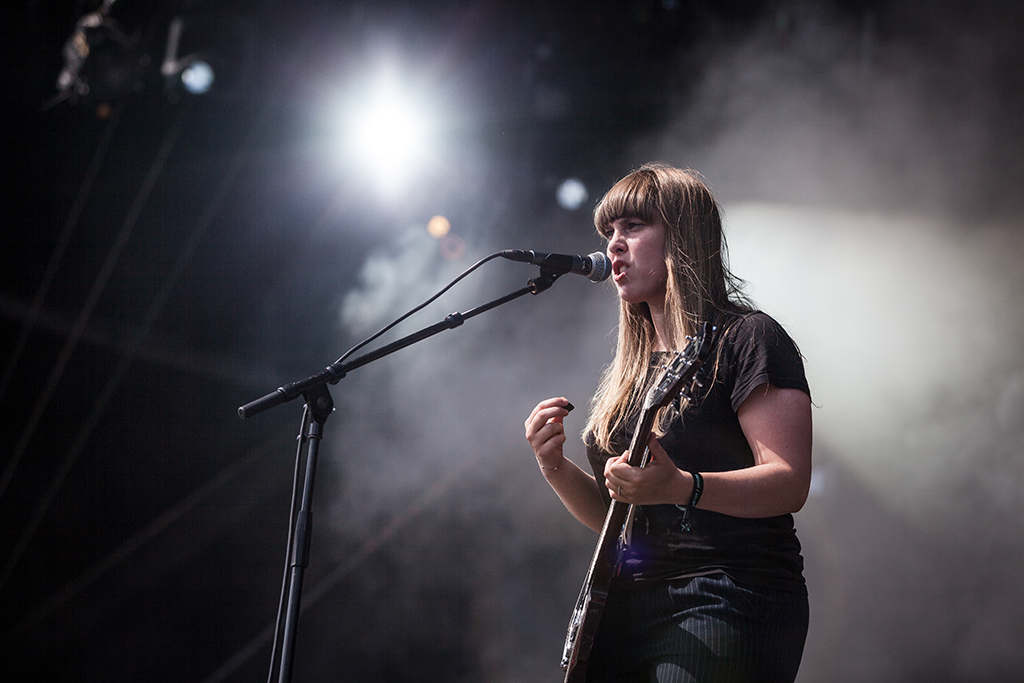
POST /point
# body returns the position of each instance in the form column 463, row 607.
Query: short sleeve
column 760, row 351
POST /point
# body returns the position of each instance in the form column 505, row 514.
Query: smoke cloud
column 868, row 203
column 431, row 471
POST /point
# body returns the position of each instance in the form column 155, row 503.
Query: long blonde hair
column 699, row 287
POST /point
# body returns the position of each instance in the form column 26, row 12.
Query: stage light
column 387, row 133
column 208, row 49
column 194, row 73
column 101, row 61
column 571, row 194
column 197, row 77
column 387, row 137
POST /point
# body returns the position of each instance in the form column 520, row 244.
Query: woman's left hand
column 657, row 482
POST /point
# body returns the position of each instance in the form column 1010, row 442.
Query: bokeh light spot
column 197, row 78
column 571, row 194
column 438, row 227
column 452, row 247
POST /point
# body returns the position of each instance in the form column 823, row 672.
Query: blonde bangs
column 635, row 196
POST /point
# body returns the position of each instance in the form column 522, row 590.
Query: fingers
column 544, row 428
column 551, row 411
column 631, row 484
column 619, row 477
column 617, row 466
column 658, row 481
column 551, row 407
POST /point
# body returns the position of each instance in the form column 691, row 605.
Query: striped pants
column 700, row 630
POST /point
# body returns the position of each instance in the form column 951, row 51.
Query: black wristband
column 698, row 489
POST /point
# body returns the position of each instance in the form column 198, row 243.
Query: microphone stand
column 319, row 406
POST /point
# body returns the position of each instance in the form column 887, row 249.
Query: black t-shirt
column 752, row 351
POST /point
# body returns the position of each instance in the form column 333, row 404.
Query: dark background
column 170, row 257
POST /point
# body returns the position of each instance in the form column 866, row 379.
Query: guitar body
column 676, row 379
column 586, row 616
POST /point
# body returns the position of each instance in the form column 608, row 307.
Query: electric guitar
column 678, row 378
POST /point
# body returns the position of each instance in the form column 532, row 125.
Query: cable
column 417, row 308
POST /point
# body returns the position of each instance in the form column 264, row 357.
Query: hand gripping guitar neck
column 677, row 379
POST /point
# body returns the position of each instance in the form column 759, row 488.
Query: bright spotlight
column 388, row 132
column 388, row 135
column 571, row 194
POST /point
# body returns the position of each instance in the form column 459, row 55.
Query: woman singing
column 712, row 587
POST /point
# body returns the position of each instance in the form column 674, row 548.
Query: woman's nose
column 616, row 244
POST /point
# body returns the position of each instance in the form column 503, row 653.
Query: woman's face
column 636, row 250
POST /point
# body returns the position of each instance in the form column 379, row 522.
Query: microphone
column 595, row 266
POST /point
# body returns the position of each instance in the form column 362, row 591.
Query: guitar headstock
column 681, row 369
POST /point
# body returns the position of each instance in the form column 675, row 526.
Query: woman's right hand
column 545, row 432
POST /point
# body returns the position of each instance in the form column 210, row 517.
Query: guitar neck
column 638, row 446
column 615, row 519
